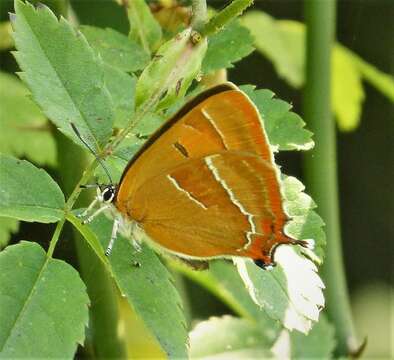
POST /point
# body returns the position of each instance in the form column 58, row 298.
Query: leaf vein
column 12, row 328
column 61, row 80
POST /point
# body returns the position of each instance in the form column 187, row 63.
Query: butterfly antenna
column 92, row 151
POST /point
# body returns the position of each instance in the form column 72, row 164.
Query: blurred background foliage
column 363, row 106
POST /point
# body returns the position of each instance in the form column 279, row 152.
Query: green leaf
column 148, row 124
column 8, row 226
column 318, row 344
column 122, row 89
column 223, row 281
column 283, row 48
column 170, row 73
column 378, row 79
column 28, row 193
column 305, row 223
column 90, row 238
column 228, row 338
column 128, row 148
column 291, row 292
column 283, row 43
column 44, row 305
column 23, row 128
column 116, row 163
column 65, row 76
column 144, row 29
column 347, row 90
column 116, row 49
column 149, row 289
column 285, row 129
column 226, row 47
column 348, row 93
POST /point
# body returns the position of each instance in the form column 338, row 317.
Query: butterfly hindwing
column 212, row 209
column 205, row 185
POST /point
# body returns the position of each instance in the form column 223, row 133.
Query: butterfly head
column 107, row 195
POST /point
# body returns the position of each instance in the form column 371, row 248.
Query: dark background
column 364, row 156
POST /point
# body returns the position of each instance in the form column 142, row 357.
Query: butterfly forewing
column 206, row 186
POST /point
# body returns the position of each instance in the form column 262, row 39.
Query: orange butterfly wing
column 204, row 185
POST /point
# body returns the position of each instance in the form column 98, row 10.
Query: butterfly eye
column 108, row 194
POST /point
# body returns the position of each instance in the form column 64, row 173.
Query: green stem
column 69, row 204
column 55, row 237
column 321, row 163
column 103, row 338
column 143, row 110
column 223, row 17
column 199, row 11
column 88, row 173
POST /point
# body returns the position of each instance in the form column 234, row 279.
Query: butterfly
column 205, row 185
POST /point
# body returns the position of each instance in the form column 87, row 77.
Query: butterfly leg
column 113, row 237
column 89, row 208
column 135, row 236
column 136, row 245
column 97, row 212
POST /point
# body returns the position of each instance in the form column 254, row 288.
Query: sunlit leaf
column 226, row 47
column 347, row 90
column 116, row 49
column 44, row 305
column 24, row 130
column 381, row 81
column 292, row 291
column 28, row 193
column 305, row 223
column 228, row 338
column 149, row 289
column 283, row 48
column 170, row 73
column 348, row 93
column 285, row 129
column 283, row 43
column 64, row 75
column 8, row 226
